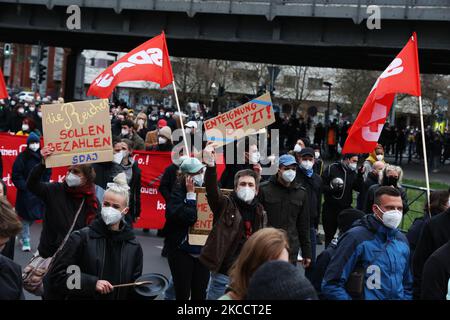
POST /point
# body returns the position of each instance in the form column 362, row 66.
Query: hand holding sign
column 47, row 152
column 209, row 155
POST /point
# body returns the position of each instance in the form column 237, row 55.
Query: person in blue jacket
column 376, row 250
column 28, row 206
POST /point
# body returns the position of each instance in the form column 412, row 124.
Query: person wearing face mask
column 339, row 181
column 141, row 124
column 107, row 252
column 28, row 126
column 312, row 183
column 190, row 276
column 164, row 140
column 116, row 123
column 128, row 132
column 376, row 155
column 10, row 272
column 390, row 176
column 373, row 178
column 237, row 216
column 318, row 162
column 435, row 233
column 62, row 201
column 373, row 256
column 152, row 122
column 171, row 122
column 151, row 139
column 287, row 207
column 28, row 206
column 439, row 202
column 16, row 118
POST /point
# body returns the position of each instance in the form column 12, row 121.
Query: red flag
column 149, row 62
column 3, row 91
column 401, row 76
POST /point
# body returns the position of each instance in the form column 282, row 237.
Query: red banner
column 152, row 165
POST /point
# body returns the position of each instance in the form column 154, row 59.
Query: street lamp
column 328, row 84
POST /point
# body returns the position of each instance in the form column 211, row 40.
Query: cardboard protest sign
column 199, row 232
column 242, row 121
column 79, row 132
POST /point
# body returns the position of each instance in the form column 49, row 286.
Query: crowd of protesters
column 265, row 227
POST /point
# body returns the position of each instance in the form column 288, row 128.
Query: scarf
column 248, row 212
column 85, row 191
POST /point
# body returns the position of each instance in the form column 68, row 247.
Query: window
column 289, row 81
column 315, row 83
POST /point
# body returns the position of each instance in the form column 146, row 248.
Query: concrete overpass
column 325, row 33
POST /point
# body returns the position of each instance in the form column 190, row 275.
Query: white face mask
column 40, row 114
column 125, row 132
column 246, row 194
column 167, row 115
column 317, row 155
column 153, row 118
column 13, row 103
column 380, row 157
column 198, row 179
column 352, row 166
column 307, row 165
column 297, row 148
column 32, row 109
column 288, row 175
column 111, row 215
column 25, row 127
column 391, row 218
column 73, row 180
column 118, row 157
column 34, row 146
column 141, row 122
column 255, row 157
column 162, row 140
column 21, row 110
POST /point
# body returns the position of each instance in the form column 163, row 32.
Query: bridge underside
column 306, row 41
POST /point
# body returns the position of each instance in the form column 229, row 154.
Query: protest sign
column 199, row 232
column 79, row 132
column 240, row 122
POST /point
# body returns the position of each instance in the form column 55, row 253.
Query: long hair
column 264, row 245
column 10, row 224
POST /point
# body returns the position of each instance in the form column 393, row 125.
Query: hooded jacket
column 101, row 254
column 374, row 247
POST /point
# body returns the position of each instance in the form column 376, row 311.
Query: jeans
column 26, row 230
column 169, row 294
column 217, row 285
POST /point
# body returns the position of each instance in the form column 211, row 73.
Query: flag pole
column 425, row 159
column 181, row 118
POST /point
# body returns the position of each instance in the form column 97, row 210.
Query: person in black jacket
column 436, row 275
column 435, row 233
column 312, row 183
column 190, row 276
column 373, row 177
column 339, row 181
column 28, row 206
column 106, row 253
column 439, row 202
column 16, row 118
column 133, row 174
column 10, row 273
column 345, row 221
column 391, row 176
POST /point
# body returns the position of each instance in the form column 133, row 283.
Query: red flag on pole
column 148, row 62
column 401, row 76
column 3, row 91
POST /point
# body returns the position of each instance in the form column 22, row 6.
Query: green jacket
column 287, row 208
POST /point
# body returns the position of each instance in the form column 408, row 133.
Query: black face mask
column 390, row 181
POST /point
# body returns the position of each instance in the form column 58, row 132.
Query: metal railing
column 421, row 193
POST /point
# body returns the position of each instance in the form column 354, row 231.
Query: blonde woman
column 141, row 125
column 264, row 245
column 106, row 252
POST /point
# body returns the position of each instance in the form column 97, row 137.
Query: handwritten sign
column 199, row 232
column 242, row 121
column 79, row 132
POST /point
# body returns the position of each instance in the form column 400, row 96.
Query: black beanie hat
column 347, row 217
column 279, row 280
column 349, row 155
